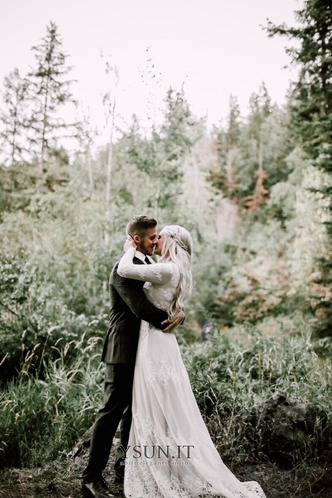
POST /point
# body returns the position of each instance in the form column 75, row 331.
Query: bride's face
column 159, row 244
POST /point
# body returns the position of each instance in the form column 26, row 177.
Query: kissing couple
column 165, row 449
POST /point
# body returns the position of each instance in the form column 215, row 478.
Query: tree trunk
column 109, row 166
column 254, row 201
column 42, row 151
column 15, row 130
column 110, row 159
column 90, row 173
column 230, row 170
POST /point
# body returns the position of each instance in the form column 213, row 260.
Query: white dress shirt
column 141, row 256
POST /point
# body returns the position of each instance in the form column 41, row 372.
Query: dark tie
column 147, row 260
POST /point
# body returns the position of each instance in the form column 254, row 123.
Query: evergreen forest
column 255, row 193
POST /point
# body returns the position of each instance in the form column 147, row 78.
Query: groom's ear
column 137, row 239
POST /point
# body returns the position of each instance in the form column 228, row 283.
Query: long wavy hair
column 177, row 247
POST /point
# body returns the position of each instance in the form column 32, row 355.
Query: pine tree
column 13, row 118
column 50, row 91
column 109, row 102
column 178, row 133
column 312, row 114
column 260, row 109
column 159, row 159
column 223, row 175
column 178, row 121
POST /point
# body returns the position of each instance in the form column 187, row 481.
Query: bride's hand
column 128, row 244
column 178, row 318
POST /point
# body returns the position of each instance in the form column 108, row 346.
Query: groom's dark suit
column 128, row 307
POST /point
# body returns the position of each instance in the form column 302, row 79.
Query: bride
column 170, row 453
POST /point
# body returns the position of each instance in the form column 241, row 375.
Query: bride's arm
column 157, row 273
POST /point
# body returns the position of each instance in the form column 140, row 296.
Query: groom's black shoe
column 97, row 489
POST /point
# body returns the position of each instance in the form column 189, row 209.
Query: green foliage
column 41, row 419
column 262, row 140
column 231, row 374
column 177, row 130
column 258, row 285
column 254, row 264
column 54, row 275
column 36, row 325
column 237, row 371
column 49, row 91
column 31, row 123
column 311, row 114
column 157, row 163
column 13, row 116
column 282, row 201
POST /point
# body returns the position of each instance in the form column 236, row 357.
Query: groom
column 128, row 307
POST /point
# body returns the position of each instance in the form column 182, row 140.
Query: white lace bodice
column 161, row 278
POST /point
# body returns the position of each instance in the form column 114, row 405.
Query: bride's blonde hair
column 177, row 247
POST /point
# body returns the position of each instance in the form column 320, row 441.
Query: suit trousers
column 116, row 407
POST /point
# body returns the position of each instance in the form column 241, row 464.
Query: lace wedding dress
column 170, row 453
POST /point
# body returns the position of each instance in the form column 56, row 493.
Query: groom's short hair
column 139, row 224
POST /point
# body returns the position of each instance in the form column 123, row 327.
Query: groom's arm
column 137, row 302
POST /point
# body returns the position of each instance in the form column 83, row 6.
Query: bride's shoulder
column 174, row 269
column 169, row 267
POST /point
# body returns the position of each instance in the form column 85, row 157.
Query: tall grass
column 235, row 375
column 42, row 419
column 232, row 375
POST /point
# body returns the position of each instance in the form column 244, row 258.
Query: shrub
column 41, row 420
column 237, row 372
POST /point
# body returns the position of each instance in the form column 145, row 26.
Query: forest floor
column 60, row 480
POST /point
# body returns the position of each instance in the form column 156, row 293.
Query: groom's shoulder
column 114, row 274
column 136, row 261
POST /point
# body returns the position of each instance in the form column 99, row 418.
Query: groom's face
column 146, row 243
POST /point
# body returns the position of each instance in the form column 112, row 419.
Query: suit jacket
column 128, row 307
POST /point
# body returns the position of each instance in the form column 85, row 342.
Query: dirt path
column 63, row 480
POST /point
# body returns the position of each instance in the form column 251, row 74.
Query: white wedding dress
column 170, row 451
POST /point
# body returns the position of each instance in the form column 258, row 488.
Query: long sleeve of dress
column 136, row 300
column 157, row 273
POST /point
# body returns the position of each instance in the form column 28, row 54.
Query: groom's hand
column 178, row 318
